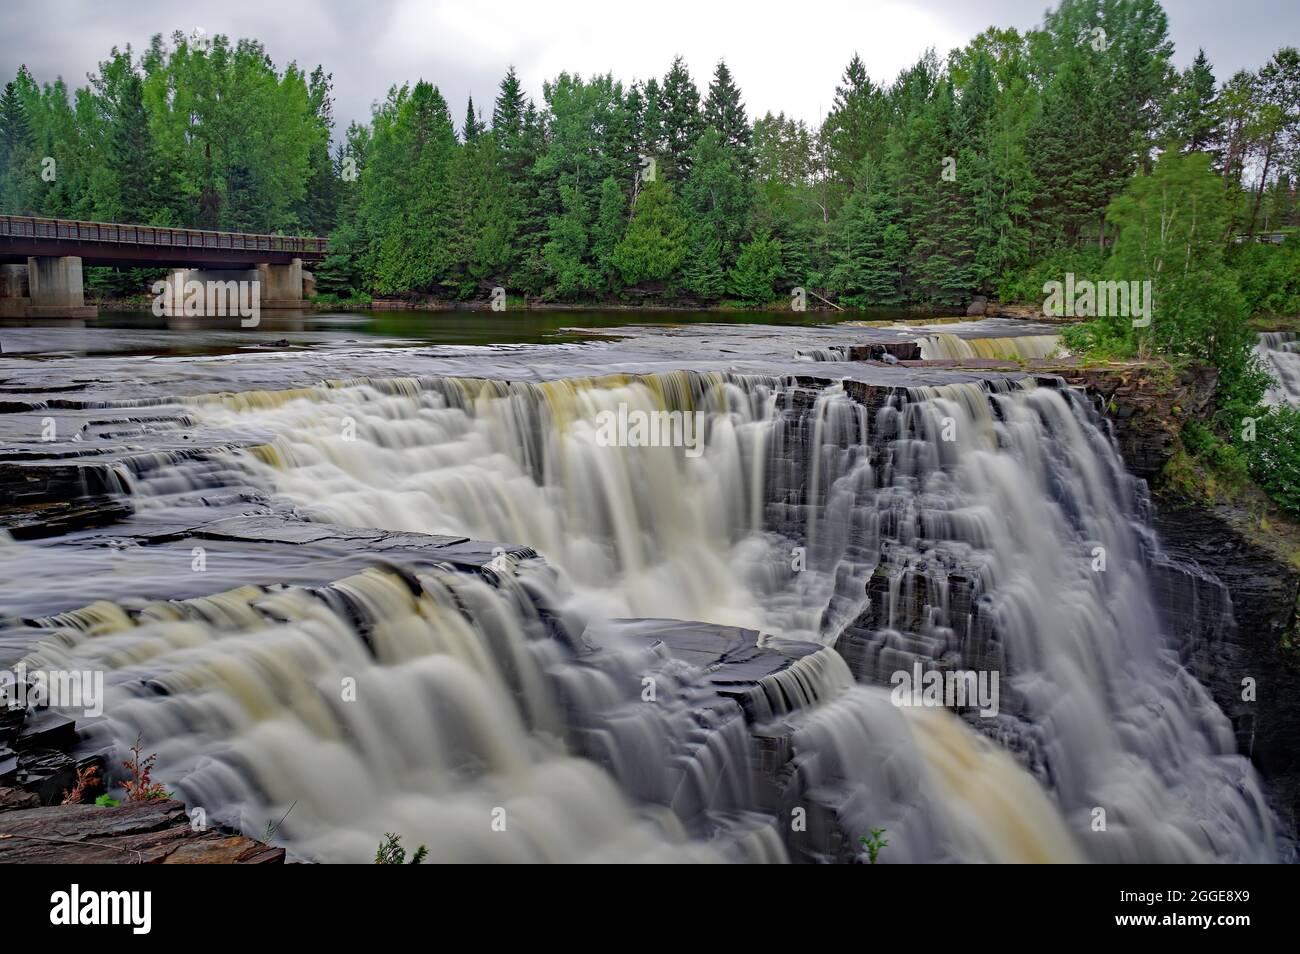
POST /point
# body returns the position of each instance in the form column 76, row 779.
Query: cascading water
column 944, row 345
column 1279, row 351
column 955, row 527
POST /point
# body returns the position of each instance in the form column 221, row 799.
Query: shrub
column 1274, row 456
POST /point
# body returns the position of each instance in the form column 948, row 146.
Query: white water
column 945, row 345
column 1096, row 707
column 1280, row 353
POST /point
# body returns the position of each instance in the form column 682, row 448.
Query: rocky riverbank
column 38, row 769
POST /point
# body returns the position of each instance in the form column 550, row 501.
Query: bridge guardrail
column 23, row 226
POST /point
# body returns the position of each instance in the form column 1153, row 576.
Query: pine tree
column 473, row 126
column 725, row 111
column 682, row 123
column 518, row 136
column 319, row 208
column 1192, row 110
column 855, row 127
column 17, row 156
column 937, row 216
column 716, row 195
column 1072, row 175
column 508, row 110
column 480, row 230
column 703, row 273
column 132, row 159
column 653, row 141
column 870, row 249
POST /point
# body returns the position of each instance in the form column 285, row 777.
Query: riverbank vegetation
column 988, row 171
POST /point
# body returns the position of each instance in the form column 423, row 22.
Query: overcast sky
column 785, row 55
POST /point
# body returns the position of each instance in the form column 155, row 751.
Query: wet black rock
column 1247, row 639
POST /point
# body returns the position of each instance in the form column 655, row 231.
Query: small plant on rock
column 391, row 852
column 874, row 843
column 141, row 787
column 87, row 781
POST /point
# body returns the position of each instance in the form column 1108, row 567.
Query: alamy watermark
column 21, row 688
column 954, row 689
column 1085, row 298
column 77, row 907
column 209, row 299
column 633, row 427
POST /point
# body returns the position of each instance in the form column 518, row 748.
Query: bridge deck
column 111, row 243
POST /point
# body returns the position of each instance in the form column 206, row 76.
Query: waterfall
column 823, row 354
column 978, row 526
column 1279, row 352
column 944, row 345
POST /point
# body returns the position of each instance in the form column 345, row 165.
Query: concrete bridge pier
column 44, row 288
column 56, row 288
column 229, row 292
column 286, row 286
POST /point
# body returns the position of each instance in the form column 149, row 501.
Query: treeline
column 200, row 135
column 971, row 174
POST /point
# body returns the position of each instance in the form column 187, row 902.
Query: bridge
column 41, row 262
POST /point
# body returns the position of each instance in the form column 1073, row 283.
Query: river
column 571, row 648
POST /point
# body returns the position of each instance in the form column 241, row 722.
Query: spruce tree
column 725, row 111
column 473, row 127
column 17, row 156
column 1191, row 112
column 682, row 122
column 855, row 127
column 716, row 195
column 132, row 159
column 869, row 250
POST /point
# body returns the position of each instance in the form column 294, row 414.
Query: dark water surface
column 144, row 333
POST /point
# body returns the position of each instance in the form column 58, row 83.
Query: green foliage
column 870, row 249
column 1225, row 458
column 1094, row 341
column 567, row 249
column 757, row 269
column 1026, row 284
column 107, row 801
column 716, row 195
column 724, row 113
column 391, row 852
column 1274, row 456
column 1171, row 226
column 679, row 119
column 18, row 159
column 1268, row 276
column 874, row 843
column 654, row 245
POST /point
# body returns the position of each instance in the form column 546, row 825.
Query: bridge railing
column 22, row 226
